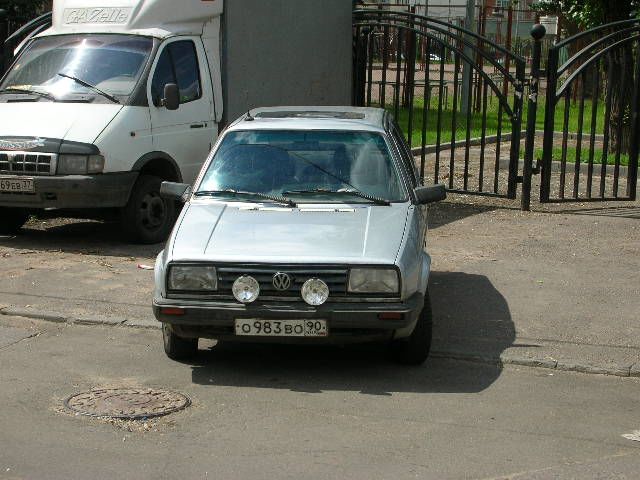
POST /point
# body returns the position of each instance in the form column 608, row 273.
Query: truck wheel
column 148, row 218
column 414, row 350
column 178, row 348
column 12, row 219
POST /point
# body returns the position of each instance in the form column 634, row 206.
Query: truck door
column 185, row 134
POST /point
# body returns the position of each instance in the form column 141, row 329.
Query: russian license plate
column 281, row 328
column 17, row 185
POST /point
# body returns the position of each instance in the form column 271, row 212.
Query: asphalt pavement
column 265, row 412
column 556, row 288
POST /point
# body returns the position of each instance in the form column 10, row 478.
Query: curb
column 83, row 320
column 503, row 359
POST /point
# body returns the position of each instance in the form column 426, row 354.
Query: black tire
column 178, row 348
column 12, row 219
column 148, row 218
column 414, row 350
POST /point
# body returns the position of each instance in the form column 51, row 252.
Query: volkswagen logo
column 282, row 281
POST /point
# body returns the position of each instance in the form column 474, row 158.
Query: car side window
column 405, row 153
column 178, row 64
column 164, row 74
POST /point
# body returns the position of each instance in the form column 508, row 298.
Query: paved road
column 271, row 412
column 555, row 287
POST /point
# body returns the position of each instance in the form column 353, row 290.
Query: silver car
column 306, row 224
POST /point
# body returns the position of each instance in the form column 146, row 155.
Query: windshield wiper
column 90, row 87
column 342, row 191
column 29, row 92
column 229, row 191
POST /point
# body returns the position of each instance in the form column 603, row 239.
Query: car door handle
column 199, row 125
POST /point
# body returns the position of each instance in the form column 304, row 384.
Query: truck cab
column 118, row 96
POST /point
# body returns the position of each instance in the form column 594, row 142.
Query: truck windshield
column 111, row 63
column 305, row 166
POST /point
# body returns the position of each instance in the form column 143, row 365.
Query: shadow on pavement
column 76, row 236
column 632, row 212
column 443, row 213
column 467, row 310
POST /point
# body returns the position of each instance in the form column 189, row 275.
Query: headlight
column 80, row 164
column 193, row 278
column 315, row 292
column 374, row 280
column 246, row 289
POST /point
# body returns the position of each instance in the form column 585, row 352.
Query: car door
column 185, row 134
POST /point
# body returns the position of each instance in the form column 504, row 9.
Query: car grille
column 335, row 277
column 25, row 163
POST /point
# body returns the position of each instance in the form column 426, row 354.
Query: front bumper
column 107, row 190
column 347, row 322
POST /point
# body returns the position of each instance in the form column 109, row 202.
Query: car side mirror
column 432, row 194
column 171, row 100
column 175, row 191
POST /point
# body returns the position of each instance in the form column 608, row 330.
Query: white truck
column 119, row 95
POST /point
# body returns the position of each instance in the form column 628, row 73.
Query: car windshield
column 111, row 63
column 307, row 166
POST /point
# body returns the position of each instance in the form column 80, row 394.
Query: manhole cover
column 127, row 403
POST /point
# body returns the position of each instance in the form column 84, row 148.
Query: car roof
column 312, row 118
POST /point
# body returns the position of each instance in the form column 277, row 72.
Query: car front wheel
column 148, row 218
column 178, row 348
column 12, row 219
column 414, row 350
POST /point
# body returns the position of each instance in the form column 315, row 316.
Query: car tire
column 148, row 218
column 12, row 219
column 414, row 350
column 178, row 348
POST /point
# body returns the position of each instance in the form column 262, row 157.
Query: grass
column 491, row 120
column 584, row 156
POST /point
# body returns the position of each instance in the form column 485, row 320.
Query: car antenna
column 249, row 117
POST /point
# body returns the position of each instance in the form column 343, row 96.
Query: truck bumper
column 107, row 190
column 347, row 323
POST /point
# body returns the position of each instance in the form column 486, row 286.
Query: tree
column 579, row 15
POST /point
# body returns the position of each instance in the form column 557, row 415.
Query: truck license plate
column 17, row 185
column 281, row 328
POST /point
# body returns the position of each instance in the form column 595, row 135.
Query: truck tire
column 414, row 350
column 178, row 348
column 148, row 218
column 12, row 219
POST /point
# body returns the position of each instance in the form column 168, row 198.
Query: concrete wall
column 286, row 52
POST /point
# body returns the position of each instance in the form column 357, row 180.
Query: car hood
column 77, row 122
column 222, row 232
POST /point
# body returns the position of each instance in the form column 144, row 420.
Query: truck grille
column 335, row 277
column 21, row 163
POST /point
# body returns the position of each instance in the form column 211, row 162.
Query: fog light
column 246, row 289
column 315, row 292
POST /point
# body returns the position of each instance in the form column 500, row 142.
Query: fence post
column 632, row 172
column 537, row 32
column 549, row 124
column 360, row 67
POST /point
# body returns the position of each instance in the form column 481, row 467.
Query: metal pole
column 467, row 70
column 537, row 32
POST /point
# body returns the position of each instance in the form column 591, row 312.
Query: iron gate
column 593, row 156
column 458, row 95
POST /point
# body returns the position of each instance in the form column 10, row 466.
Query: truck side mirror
column 171, row 100
column 175, row 191
column 433, row 194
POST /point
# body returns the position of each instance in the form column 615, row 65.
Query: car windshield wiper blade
column 342, row 191
column 229, row 191
column 29, row 91
column 90, row 87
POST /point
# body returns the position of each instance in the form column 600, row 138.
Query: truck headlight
column 192, row 278
column 80, row 164
column 373, row 280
